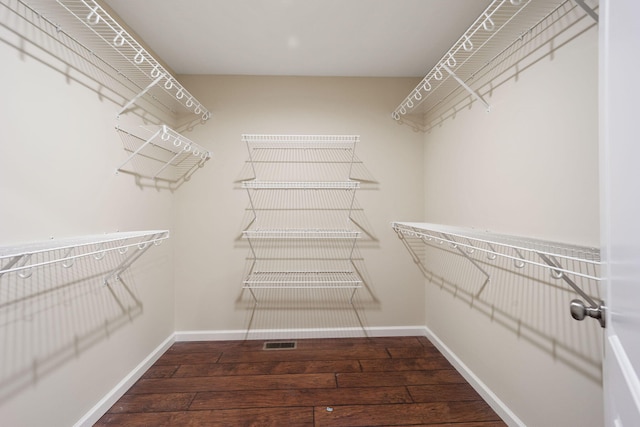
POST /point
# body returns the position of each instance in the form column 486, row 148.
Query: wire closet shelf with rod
column 504, row 26
column 25, row 259
column 563, row 261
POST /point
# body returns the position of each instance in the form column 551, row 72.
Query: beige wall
column 65, row 339
column 210, row 256
column 529, row 167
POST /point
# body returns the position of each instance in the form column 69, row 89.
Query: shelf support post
column 466, row 87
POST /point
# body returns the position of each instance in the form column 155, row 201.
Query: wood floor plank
column 163, row 402
column 188, row 358
column 297, row 355
column 412, row 352
column 421, row 364
column 304, row 397
column 357, row 343
column 268, row 368
column 443, row 393
column 161, row 371
column 426, row 413
column 263, row 417
column 156, row 419
column 266, row 417
column 213, row 346
column 424, row 341
column 381, row 379
column 240, row 382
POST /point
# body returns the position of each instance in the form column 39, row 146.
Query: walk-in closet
column 319, row 213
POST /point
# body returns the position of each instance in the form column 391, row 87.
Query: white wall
column 530, row 168
column 210, row 256
column 65, row 340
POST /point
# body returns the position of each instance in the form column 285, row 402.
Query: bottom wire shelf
column 303, row 280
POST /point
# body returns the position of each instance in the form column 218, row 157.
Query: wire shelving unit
column 563, row 261
column 315, row 257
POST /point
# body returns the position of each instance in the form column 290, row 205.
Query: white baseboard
column 101, row 408
column 280, row 334
column 496, row 404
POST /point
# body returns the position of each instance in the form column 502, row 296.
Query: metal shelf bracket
column 578, row 308
column 467, row 88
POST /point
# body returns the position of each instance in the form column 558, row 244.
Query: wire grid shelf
column 301, row 234
column 301, row 185
column 90, row 31
column 24, row 258
column 328, row 155
column 502, row 22
column 303, row 280
column 566, row 258
column 300, row 141
column 165, row 153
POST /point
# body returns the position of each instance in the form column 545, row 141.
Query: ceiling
column 364, row 38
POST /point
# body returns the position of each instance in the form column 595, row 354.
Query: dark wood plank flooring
column 397, row 381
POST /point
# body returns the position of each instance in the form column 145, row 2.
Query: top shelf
column 501, row 24
column 98, row 34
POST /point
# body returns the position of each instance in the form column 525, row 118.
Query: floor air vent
column 279, row 345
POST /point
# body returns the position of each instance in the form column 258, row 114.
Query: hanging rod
column 558, row 258
column 23, row 259
column 502, row 22
column 95, row 33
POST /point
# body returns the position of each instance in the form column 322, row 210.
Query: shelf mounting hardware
column 467, row 88
column 140, row 95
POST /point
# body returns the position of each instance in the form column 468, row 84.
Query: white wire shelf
column 169, row 154
column 25, row 258
column 501, row 24
column 520, row 250
column 303, row 280
column 300, row 234
column 93, row 32
column 562, row 260
column 301, row 141
column 300, row 185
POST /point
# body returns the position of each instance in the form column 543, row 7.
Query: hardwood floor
column 387, row 381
